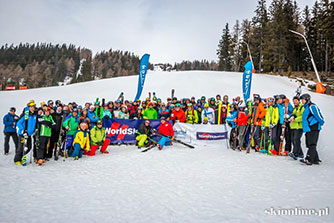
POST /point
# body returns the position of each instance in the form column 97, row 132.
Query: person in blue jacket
column 26, row 128
column 284, row 115
column 312, row 120
column 9, row 121
column 231, row 118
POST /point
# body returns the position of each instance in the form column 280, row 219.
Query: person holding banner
column 166, row 129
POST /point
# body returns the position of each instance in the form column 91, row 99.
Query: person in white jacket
column 209, row 113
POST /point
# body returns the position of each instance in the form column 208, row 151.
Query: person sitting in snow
column 144, row 132
column 166, row 129
column 81, row 141
column 97, row 139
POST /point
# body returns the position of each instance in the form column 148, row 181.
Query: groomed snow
column 174, row 185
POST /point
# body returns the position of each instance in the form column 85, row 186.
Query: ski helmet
column 306, row 97
column 50, row 102
column 99, row 122
column 75, row 110
column 281, row 96
column 257, row 97
column 296, row 97
column 12, row 109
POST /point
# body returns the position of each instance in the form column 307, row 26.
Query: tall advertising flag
column 247, row 80
column 142, row 74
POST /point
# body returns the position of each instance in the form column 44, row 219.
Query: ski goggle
column 270, row 99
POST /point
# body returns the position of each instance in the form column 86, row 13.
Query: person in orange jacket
column 178, row 114
column 257, row 116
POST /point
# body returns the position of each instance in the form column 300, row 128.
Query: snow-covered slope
column 173, row 185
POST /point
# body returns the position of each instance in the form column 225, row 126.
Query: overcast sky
column 170, row 31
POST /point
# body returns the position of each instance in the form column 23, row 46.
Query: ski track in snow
column 176, row 184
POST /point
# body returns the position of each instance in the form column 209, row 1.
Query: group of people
column 75, row 130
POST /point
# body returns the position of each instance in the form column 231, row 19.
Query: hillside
column 207, row 184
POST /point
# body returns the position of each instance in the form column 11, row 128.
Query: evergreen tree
column 223, row 52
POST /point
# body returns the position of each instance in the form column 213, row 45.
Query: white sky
column 171, row 31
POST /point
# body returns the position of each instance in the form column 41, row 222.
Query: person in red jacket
column 166, row 129
column 241, row 122
column 178, row 114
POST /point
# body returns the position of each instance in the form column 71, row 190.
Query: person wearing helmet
column 241, row 122
column 46, row 124
column 191, row 115
column 26, row 128
column 166, row 129
column 258, row 114
column 193, row 100
column 71, row 123
column 10, row 121
column 208, row 113
column 164, row 112
column 213, row 104
column 178, row 114
column 312, row 121
column 98, row 139
column 150, row 112
column 284, row 110
column 270, row 122
column 231, row 121
column 296, row 128
column 81, row 141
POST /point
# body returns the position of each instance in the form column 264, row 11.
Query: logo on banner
column 180, row 133
column 211, row 135
column 120, row 130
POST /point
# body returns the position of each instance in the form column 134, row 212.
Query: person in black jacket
column 57, row 116
column 144, row 132
column 138, row 114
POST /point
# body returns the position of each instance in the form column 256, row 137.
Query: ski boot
column 159, row 147
column 292, row 156
column 18, row 163
column 105, row 152
column 40, row 162
column 76, row 158
column 273, row 152
column 305, row 161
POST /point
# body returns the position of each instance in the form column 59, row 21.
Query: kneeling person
column 98, row 138
column 81, row 141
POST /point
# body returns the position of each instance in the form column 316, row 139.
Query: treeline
column 189, row 65
column 274, row 48
column 45, row 64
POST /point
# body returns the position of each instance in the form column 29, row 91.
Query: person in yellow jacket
column 81, row 141
column 191, row 115
column 296, row 128
column 271, row 120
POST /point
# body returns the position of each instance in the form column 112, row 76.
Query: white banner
column 201, row 134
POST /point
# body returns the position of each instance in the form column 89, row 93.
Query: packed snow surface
column 177, row 184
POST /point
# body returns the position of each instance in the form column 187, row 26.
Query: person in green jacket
column 296, row 128
column 150, row 112
column 271, row 120
column 191, row 115
column 97, row 139
column 71, row 126
column 44, row 135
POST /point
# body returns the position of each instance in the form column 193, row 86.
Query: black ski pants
column 43, row 144
column 20, row 148
column 296, row 135
column 7, row 138
column 311, row 143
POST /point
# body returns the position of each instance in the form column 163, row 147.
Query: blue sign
column 142, row 74
column 247, row 80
